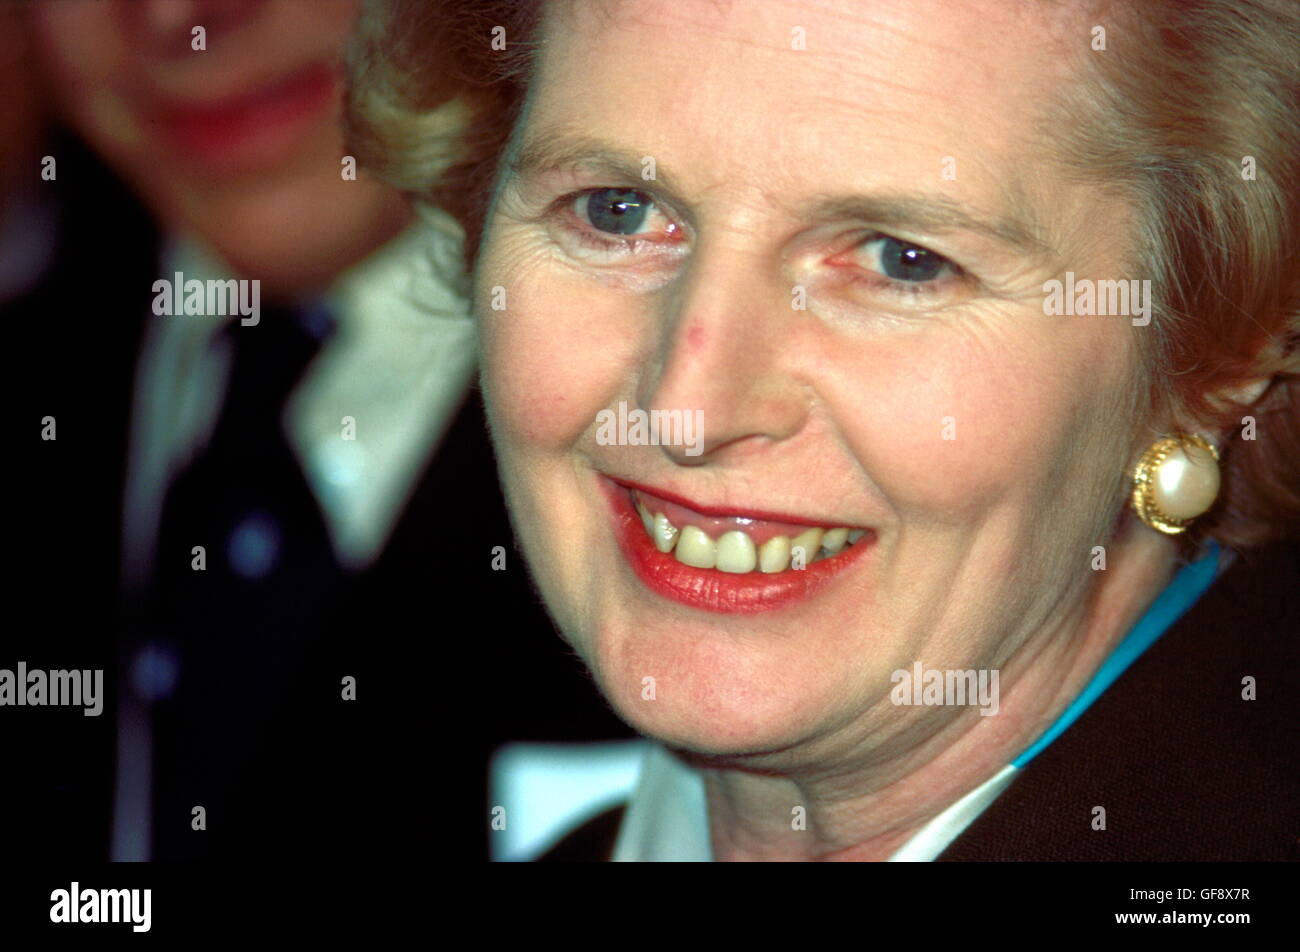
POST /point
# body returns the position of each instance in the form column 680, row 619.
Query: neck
column 866, row 812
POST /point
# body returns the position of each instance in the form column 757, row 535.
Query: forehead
column 918, row 93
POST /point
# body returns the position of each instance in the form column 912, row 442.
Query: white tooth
column 834, row 540
column 647, row 520
column 810, row 540
column 856, row 534
column 664, row 532
column 695, row 548
column 736, row 552
column 774, row 555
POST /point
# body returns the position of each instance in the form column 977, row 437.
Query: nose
column 726, row 351
column 167, row 24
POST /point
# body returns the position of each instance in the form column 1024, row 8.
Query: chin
column 716, row 696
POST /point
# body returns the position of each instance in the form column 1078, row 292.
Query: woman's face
column 237, row 138
column 837, row 265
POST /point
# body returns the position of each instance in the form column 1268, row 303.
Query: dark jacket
column 306, row 776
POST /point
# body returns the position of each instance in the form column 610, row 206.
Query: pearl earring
column 1175, row 481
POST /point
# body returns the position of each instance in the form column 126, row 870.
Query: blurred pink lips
column 243, row 131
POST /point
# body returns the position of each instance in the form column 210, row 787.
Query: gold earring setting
column 1175, row 481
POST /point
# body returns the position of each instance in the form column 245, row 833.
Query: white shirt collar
column 399, row 365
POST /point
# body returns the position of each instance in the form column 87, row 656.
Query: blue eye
column 618, row 211
column 901, row 261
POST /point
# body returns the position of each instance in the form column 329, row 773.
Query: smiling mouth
column 727, row 563
column 737, row 544
column 253, row 127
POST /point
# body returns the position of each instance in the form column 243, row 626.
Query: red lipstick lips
column 709, row 589
column 257, row 126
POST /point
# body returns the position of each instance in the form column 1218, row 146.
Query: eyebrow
column 548, row 153
column 916, row 211
column 931, row 213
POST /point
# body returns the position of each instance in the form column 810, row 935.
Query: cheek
column 88, row 58
column 952, row 422
column 555, row 353
column 324, row 24
column 80, row 46
column 525, row 383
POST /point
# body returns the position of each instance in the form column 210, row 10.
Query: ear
column 1243, row 398
column 1247, row 394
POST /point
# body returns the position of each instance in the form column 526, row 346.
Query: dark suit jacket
column 1185, row 768
column 445, row 650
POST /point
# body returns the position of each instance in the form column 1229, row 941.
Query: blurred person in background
column 236, row 512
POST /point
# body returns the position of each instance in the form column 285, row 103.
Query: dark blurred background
column 133, row 148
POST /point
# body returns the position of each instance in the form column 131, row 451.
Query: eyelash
column 593, row 240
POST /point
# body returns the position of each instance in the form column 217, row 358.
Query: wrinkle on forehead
column 884, row 56
column 1055, row 24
